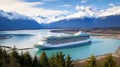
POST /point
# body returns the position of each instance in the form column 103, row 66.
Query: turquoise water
column 27, row 38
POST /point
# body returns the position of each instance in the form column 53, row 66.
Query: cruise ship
column 54, row 42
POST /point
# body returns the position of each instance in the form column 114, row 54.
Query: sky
column 73, row 8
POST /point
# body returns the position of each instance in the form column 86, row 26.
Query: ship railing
column 53, row 42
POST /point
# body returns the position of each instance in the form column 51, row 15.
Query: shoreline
column 100, row 34
column 8, row 48
column 99, row 58
column 111, row 36
column 81, row 62
column 2, row 37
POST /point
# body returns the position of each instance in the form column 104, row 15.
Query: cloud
column 111, row 4
column 83, row 1
column 27, row 8
column 83, row 11
column 110, row 11
column 66, row 5
column 82, row 8
column 50, row 19
column 49, row 0
column 91, row 11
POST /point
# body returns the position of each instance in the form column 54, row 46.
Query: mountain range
column 15, row 21
column 87, row 22
column 48, row 19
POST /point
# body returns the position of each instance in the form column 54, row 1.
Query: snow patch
column 13, row 15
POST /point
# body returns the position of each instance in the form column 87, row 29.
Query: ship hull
column 65, row 45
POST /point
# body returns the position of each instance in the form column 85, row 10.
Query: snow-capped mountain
column 89, row 17
column 13, row 21
column 60, row 16
column 40, row 19
column 89, row 11
column 87, row 22
column 13, row 15
column 48, row 19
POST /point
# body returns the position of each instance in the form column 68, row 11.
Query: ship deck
column 62, row 40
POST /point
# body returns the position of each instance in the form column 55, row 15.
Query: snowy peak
column 87, row 22
column 60, row 16
column 13, row 15
column 90, row 11
column 49, row 19
column 15, row 21
column 41, row 17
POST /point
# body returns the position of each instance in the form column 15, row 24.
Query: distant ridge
column 87, row 22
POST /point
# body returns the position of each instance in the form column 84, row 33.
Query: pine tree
column 27, row 59
column 60, row 59
column 43, row 60
column 91, row 62
column 22, row 60
column 35, row 62
column 109, row 61
column 68, row 62
column 14, row 59
column 1, row 56
column 52, row 61
column 6, row 57
column 15, row 55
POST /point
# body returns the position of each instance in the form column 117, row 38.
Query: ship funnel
column 78, row 33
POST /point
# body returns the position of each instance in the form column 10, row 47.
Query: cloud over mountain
column 90, row 11
column 52, row 8
column 82, row 11
column 115, row 10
